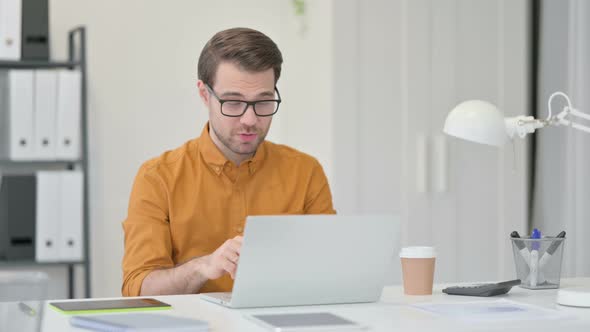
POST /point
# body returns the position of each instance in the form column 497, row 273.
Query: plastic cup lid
column 417, row 252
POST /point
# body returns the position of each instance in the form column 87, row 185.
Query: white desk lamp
column 481, row 122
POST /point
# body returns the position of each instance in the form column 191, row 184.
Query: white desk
column 392, row 313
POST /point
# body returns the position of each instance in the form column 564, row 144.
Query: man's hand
column 224, row 259
column 190, row 277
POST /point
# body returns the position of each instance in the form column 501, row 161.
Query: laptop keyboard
column 225, row 297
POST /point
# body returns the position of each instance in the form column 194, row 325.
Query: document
column 139, row 322
column 491, row 311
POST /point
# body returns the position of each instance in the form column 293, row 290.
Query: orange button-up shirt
column 187, row 202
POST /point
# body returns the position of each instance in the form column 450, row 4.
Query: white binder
column 47, row 237
column 16, row 112
column 68, row 114
column 45, row 106
column 71, row 196
column 10, row 29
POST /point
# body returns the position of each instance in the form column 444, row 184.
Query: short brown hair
column 251, row 50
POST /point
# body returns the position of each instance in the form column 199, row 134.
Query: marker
column 534, row 262
column 524, row 252
column 547, row 255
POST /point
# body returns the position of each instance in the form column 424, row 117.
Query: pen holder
column 538, row 261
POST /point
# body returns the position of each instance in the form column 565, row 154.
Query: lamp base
column 574, row 297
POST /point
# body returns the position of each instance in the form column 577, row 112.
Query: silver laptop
column 312, row 259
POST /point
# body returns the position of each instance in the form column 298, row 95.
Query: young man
column 188, row 207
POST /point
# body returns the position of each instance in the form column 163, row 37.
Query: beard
column 232, row 141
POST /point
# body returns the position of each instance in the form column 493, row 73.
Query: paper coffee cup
column 418, row 269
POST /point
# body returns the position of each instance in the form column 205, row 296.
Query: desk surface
column 392, row 313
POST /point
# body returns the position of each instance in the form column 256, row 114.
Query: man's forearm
column 183, row 279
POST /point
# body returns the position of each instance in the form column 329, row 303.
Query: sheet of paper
column 490, row 311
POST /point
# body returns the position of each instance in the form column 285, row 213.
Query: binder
column 47, row 217
column 68, row 114
column 35, row 30
column 45, row 105
column 17, row 217
column 16, row 114
column 10, row 29
column 71, row 196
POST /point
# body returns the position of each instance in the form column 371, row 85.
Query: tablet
column 101, row 306
column 305, row 321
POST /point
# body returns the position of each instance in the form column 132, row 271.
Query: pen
column 26, row 309
column 534, row 262
column 547, row 255
column 524, row 252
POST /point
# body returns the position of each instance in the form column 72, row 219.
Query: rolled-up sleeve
column 148, row 244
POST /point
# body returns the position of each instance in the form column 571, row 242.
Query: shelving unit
column 76, row 60
column 38, row 64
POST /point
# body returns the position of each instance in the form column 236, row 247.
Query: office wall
column 142, row 58
column 408, row 63
column 563, row 154
column 364, row 82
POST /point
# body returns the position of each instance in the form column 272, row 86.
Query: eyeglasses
column 237, row 108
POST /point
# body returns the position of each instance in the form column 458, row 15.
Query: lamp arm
column 553, row 95
column 560, row 119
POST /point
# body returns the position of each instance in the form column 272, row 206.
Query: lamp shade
column 477, row 121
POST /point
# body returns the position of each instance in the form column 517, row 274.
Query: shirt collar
column 216, row 160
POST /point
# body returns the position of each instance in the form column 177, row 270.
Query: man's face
column 238, row 137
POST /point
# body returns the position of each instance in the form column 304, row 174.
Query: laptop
column 312, row 259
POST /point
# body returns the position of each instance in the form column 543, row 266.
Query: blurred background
column 366, row 87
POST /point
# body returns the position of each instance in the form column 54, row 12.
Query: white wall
column 400, row 67
column 142, row 71
column 562, row 186
column 142, row 58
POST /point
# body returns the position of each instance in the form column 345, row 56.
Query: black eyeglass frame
column 248, row 103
